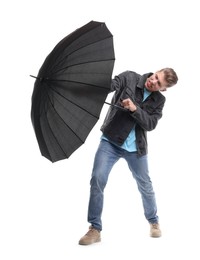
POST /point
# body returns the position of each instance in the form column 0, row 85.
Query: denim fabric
column 106, row 156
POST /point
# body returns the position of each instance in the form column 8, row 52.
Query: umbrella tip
column 41, row 79
column 33, row 76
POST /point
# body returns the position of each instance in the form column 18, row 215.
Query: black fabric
column 70, row 90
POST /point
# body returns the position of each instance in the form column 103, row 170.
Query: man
column 136, row 108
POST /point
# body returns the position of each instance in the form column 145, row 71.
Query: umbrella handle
column 119, row 107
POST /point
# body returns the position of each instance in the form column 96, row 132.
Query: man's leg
column 106, row 156
column 139, row 168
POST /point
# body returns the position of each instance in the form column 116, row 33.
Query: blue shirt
column 130, row 142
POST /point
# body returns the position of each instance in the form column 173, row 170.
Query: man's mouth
column 149, row 85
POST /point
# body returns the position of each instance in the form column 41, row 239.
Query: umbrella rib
column 54, row 134
column 73, row 81
column 70, row 113
column 86, row 45
column 74, row 103
column 57, row 142
column 82, row 63
column 65, row 124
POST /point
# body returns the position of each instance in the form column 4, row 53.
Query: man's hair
column 170, row 76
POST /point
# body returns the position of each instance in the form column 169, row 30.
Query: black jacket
column 118, row 123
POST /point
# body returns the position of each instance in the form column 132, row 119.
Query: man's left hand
column 128, row 104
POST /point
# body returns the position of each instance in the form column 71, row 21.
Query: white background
column 43, row 206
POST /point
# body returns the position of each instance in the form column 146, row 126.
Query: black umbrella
column 70, row 90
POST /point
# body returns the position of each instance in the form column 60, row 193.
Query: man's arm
column 146, row 119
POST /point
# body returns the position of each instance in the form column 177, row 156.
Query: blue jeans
column 106, row 156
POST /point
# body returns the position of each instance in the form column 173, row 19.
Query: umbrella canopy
column 70, row 90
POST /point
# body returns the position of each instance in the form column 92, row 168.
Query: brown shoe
column 92, row 236
column 155, row 230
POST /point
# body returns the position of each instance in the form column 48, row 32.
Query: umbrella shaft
column 119, row 107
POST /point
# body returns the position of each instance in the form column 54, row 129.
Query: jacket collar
column 143, row 79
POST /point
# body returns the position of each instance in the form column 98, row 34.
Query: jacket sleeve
column 119, row 82
column 147, row 116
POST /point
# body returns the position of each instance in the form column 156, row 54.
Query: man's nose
column 154, row 81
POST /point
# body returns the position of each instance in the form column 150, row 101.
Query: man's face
column 156, row 82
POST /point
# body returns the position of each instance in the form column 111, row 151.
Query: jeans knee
column 97, row 183
column 147, row 188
